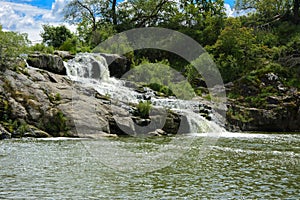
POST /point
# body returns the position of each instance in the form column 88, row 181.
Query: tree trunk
column 89, row 10
column 114, row 15
column 296, row 11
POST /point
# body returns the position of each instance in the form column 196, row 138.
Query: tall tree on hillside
column 90, row 16
column 141, row 13
column 272, row 9
column 78, row 11
column 11, row 45
column 92, row 11
column 202, row 19
column 55, row 36
column 296, row 11
column 196, row 11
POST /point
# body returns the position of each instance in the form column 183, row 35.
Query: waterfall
column 92, row 70
column 86, row 66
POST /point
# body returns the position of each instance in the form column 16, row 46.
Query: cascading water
column 91, row 70
column 86, row 67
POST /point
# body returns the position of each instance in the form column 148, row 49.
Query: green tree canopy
column 141, row 13
column 272, row 9
column 92, row 17
column 55, row 36
column 11, row 45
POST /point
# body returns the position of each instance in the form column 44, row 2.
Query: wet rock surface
column 266, row 106
column 118, row 65
column 51, row 63
column 40, row 103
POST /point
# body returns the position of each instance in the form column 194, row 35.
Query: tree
column 195, row 11
column 233, row 50
column 92, row 12
column 55, row 36
column 148, row 12
column 145, row 13
column 78, row 11
column 201, row 19
column 271, row 10
column 11, row 45
column 91, row 16
column 114, row 14
column 296, row 11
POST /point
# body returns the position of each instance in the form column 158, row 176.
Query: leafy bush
column 144, row 109
column 11, row 46
column 161, row 88
column 70, row 45
column 55, row 36
column 55, row 124
column 42, row 48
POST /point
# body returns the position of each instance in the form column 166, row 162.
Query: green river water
column 236, row 166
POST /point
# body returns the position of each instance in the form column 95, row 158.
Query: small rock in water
column 157, row 132
column 4, row 134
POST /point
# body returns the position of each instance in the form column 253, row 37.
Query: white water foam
column 91, row 70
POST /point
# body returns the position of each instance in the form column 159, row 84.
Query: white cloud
column 25, row 18
column 231, row 12
column 56, row 13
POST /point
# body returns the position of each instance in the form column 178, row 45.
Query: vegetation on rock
column 144, row 108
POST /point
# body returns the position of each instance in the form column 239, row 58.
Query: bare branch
column 90, row 13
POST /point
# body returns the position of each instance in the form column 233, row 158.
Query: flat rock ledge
column 39, row 103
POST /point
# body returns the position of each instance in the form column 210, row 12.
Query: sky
column 28, row 16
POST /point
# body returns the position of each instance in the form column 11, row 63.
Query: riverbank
column 40, row 103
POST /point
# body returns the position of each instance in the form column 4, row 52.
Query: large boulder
column 118, row 65
column 121, row 123
column 4, row 134
column 284, row 117
column 51, row 63
column 65, row 55
column 263, row 103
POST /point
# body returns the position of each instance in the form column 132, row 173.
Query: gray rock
column 17, row 109
column 126, row 124
column 282, row 118
column 51, row 63
column 64, row 55
column 172, row 123
column 118, row 65
column 35, row 132
column 4, row 134
column 157, row 132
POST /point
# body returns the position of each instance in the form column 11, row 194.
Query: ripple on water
column 251, row 167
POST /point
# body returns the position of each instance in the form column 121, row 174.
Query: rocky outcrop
column 38, row 103
column 264, row 104
column 30, row 103
column 4, row 134
column 157, row 125
column 283, row 118
column 65, row 55
column 51, row 63
column 118, row 65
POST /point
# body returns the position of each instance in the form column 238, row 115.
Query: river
column 236, row 166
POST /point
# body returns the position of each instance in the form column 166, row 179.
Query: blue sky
column 47, row 4
column 28, row 16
